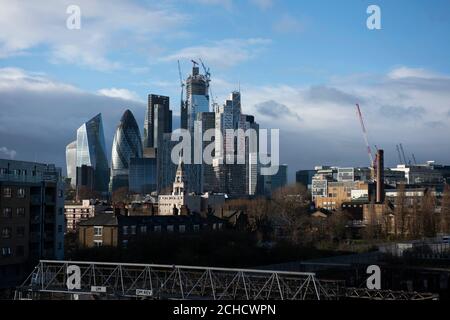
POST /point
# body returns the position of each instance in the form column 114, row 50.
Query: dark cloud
column 333, row 95
column 274, row 109
column 39, row 125
column 398, row 112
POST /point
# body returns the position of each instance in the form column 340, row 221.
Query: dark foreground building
column 31, row 218
column 118, row 230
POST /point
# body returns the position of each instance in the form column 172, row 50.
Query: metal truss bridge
column 102, row 280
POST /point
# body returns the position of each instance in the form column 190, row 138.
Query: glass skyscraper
column 91, row 151
column 127, row 144
column 151, row 120
column 71, row 162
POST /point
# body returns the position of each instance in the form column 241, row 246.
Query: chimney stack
column 380, row 176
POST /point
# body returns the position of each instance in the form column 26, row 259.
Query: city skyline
column 297, row 71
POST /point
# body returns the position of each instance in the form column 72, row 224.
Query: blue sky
column 308, row 58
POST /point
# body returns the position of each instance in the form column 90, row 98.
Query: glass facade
column 71, row 162
column 127, row 144
column 91, row 151
column 142, row 177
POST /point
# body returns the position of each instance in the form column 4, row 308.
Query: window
column 21, row 193
column 220, row 226
column 124, row 243
column 20, row 251
column 6, row 251
column 20, row 231
column 133, row 229
column 6, row 233
column 20, row 212
column 196, row 227
column 98, row 243
column 7, row 192
column 157, row 228
column 214, row 226
column 60, row 211
column 59, row 245
column 59, row 228
column 7, row 212
column 143, row 229
column 170, row 228
column 60, row 193
column 182, row 228
column 125, row 230
column 98, row 231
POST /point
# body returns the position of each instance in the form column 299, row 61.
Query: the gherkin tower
column 127, row 144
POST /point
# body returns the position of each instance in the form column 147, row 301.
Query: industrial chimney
column 380, row 176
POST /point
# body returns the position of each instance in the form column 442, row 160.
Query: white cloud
column 405, row 72
column 11, row 154
column 225, row 53
column 39, row 116
column 16, row 78
column 124, row 94
column 28, row 24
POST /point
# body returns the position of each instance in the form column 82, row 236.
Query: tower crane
column 403, row 153
column 363, row 127
column 208, row 80
column 414, row 159
column 399, row 154
column 181, row 82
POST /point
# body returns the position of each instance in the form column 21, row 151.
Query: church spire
column 180, row 183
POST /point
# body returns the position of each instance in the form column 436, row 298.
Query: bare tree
column 401, row 211
column 445, row 211
column 120, row 195
column 428, row 210
column 290, row 209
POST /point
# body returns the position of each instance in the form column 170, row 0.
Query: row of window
column 7, row 251
column 131, row 230
column 7, row 192
column 6, row 232
column 8, row 212
column 76, row 211
column 16, row 172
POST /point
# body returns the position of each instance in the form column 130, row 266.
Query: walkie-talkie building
column 91, row 151
column 127, row 144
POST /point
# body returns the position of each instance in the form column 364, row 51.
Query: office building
column 304, row 177
column 91, row 151
column 230, row 158
column 150, row 120
column 127, row 144
column 81, row 211
column 143, row 176
column 31, row 217
column 71, row 163
column 166, row 168
column 85, row 181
